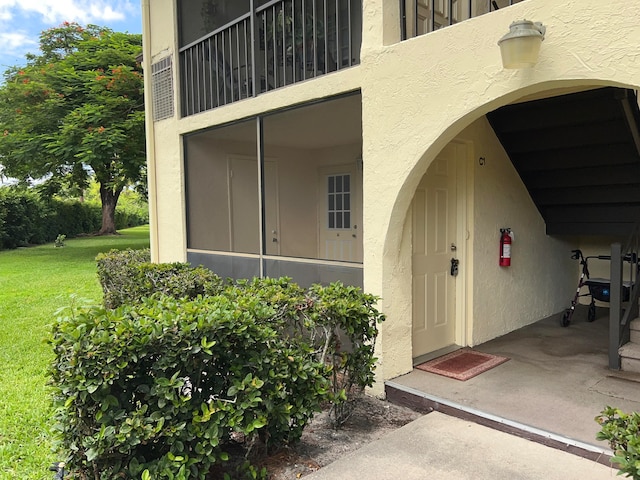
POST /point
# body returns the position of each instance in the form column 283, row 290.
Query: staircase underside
column 578, row 156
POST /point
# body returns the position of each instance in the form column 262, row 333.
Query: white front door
column 340, row 229
column 435, row 237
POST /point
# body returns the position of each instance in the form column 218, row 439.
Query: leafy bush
column 27, row 219
column 178, row 363
column 127, row 277
column 59, row 241
column 347, row 321
column 116, row 270
column 21, row 222
column 72, row 218
column 622, row 431
column 339, row 321
column 129, row 216
column 157, row 389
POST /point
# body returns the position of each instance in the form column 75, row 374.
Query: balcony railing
column 280, row 43
column 418, row 17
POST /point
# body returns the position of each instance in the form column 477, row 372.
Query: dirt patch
column 321, row 445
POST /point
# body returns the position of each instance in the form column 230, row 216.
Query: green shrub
column 73, row 218
column 127, row 277
column 22, row 218
column 116, row 272
column 339, row 321
column 59, row 241
column 345, row 322
column 128, row 216
column 178, row 361
column 28, row 219
column 157, row 389
column 622, row 431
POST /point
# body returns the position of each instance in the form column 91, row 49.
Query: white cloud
column 107, row 13
column 16, row 41
column 22, row 21
column 57, row 11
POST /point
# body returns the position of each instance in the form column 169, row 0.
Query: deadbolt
column 455, row 263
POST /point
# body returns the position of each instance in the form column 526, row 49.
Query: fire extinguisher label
column 506, row 250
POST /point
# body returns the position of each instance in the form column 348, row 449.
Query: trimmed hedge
column 162, row 385
column 21, row 219
column 26, row 219
column 127, row 277
column 157, row 389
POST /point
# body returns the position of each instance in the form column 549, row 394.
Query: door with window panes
column 340, row 235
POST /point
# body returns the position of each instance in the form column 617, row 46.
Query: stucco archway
column 397, row 250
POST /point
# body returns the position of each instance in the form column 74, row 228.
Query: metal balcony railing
column 418, row 17
column 277, row 44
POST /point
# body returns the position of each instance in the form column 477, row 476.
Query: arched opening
column 500, row 191
column 491, row 301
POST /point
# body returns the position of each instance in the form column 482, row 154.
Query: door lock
column 454, row 267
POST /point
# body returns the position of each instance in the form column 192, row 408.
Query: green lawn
column 34, row 283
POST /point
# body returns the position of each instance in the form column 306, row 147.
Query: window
column 339, row 201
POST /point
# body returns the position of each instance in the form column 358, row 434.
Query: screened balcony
column 287, row 205
column 418, row 17
column 235, row 49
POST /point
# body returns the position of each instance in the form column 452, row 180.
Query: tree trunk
column 109, row 199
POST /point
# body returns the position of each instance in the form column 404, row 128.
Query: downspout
column 150, row 133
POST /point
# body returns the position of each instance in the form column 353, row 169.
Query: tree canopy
column 76, row 110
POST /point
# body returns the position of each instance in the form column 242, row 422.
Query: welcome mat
column 462, row 364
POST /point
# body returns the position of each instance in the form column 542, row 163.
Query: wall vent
column 162, row 84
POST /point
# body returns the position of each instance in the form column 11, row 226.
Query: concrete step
column 635, row 330
column 630, row 357
column 626, row 376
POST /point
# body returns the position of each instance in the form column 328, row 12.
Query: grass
column 34, row 283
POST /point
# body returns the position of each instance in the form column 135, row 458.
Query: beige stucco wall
column 417, row 96
column 539, row 281
column 164, row 147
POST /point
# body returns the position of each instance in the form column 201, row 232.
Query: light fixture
column 520, row 47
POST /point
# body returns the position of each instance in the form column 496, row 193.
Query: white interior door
column 434, row 245
column 340, row 229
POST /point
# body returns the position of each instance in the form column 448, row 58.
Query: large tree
column 76, row 110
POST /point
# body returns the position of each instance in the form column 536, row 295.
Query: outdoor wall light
column 520, row 47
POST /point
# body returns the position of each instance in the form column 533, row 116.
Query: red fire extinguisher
column 505, row 247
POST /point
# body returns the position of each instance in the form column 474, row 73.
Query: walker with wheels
column 599, row 288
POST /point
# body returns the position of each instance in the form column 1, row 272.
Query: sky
column 21, row 22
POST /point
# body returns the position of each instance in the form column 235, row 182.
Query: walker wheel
column 591, row 314
column 566, row 319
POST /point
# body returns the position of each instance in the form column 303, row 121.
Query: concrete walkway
column 440, row 447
